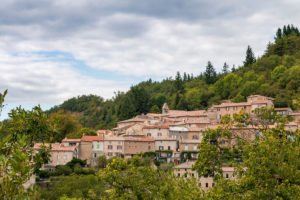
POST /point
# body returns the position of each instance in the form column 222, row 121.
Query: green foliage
column 133, row 181
column 34, row 124
column 101, row 162
column 75, row 186
column 16, row 152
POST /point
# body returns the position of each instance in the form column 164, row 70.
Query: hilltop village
column 172, row 136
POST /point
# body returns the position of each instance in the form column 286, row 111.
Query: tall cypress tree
column 250, row 59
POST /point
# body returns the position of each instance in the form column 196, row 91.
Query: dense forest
column 275, row 74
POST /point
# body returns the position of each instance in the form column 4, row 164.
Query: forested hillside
column 276, row 74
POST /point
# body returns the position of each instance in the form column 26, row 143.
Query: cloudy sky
column 51, row 50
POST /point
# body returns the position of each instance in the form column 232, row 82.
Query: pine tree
column 210, row 73
column 178, row 82
column 225, row 68
column 233, row 68
column 250, row 59
column 185, row 77
column 278, row 34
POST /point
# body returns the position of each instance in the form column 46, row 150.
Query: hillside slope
column 276, row 74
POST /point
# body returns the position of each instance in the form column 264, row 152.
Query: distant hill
column 276, row 74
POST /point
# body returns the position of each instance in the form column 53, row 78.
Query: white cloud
column 32, row 79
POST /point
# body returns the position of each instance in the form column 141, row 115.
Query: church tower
column 165, row 109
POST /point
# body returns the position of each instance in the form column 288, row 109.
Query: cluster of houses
column 173, row 134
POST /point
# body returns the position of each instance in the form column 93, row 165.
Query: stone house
column 185, row 170
column 91, row 147
column 135, row 145
column 114, row 146
column 156, row 131
column 166, row 148
column 179, row 133
column 59, row 154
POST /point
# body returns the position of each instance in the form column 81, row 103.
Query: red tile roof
column 197, row 121
column 91, row 138
column 142, row 139
column 56, row 147
column 294, row 114
column 232, row 104
column 165, row 139
column 156, row 127
column 261, row 102
column 71, row 140
column 281, row 109
column 183, row 113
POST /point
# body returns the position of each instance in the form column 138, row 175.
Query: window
column 92, row 146
column 95, row 155
column 169, row 148
column 195, row 137
column 110, row 147
column 65, row 157
column 149, row 134
column 109, row 153
column 192, row 174
column 195, row 147
column 98, row 146
column 206, row 185
column 169, row 155
column 227, row 175
column 159, row 134
column 186, row 147
column 227, row 108
column 213, row 184
column 234, row 108
column 185, row 175
column 149, row 147
column 117, row 154
column 178, row 174
column 161, row 148
column 119, row 147
column 218, row 109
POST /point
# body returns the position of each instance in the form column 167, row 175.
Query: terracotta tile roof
column 294, row 114
column 114, row 138
column 282, row 109
column 154, row 114
column 56, row 147
column 156, row 127
column 165, row 139
column 186, row 165
column 228, row 169
column 197, row 121
column 183, row 113
column 71, row 140
column 91, row 138
column 195, row 129
column 232, row 105
column 261, row 102
column 142, row 139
